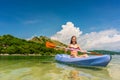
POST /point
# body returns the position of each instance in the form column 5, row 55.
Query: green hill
column 12, row 45
column 106, row 52
column 43, row 39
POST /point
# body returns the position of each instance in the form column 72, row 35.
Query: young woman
column 74, row 48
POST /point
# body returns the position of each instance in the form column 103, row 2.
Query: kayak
column 94, row 60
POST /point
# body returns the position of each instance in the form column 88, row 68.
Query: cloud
column 102, row 40
column 107, row 40
column 67, row 31
column 30, row 21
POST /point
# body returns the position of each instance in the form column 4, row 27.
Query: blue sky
column 25, row 18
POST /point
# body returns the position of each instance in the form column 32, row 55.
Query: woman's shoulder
column 69, row 45
column 77, row 44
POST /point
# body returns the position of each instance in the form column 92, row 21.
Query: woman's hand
column 84, row 51
column 65, row 49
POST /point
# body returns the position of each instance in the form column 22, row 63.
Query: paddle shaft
column 52, row 45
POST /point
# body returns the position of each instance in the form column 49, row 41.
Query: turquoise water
column 42, row 68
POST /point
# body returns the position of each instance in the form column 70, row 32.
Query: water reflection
column 75, row 73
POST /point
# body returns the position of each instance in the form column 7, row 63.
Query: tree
column 11, row 50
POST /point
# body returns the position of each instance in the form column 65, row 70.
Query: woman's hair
column 71, row 40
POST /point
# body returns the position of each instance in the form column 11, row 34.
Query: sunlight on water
column 114, row 67
column 25, row 69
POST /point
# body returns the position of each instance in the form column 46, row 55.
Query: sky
column 28, row 18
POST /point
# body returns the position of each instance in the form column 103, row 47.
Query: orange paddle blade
column 50, row 45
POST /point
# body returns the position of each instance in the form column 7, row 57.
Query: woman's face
column 74, row 40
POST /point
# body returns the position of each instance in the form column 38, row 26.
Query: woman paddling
column 74, row 48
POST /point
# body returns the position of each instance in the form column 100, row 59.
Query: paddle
column 52, row 45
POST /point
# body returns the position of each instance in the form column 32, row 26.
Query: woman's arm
column 81, row 49
column 67, row 48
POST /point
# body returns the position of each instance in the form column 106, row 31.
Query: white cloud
column 30, row 21
column 67, row 31
column 107, row 40
column 104, row 40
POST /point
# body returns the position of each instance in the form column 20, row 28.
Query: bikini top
column 74, row 49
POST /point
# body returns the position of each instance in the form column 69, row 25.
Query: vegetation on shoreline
column 106, row 52
column 12, row 45
column 36, row 46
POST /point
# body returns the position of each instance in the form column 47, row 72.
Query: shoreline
column 24, row 55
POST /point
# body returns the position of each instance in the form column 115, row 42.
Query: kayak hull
column 101, row 61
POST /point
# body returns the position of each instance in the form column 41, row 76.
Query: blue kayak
column 95, row 60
